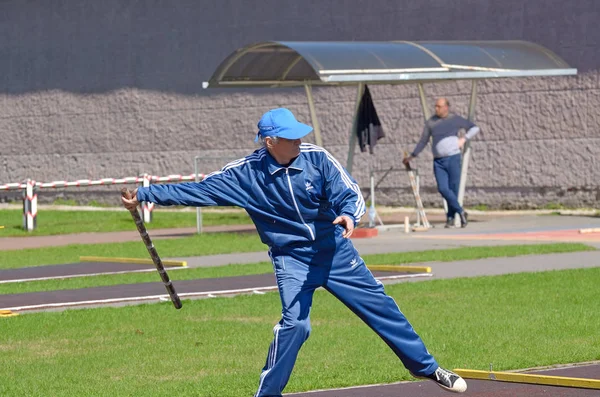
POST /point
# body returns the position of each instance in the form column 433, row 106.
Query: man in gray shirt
column 446, row 146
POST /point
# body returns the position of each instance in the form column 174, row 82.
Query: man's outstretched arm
column 221, row 189
column 420, row 145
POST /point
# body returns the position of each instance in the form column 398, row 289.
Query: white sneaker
column 448, row 380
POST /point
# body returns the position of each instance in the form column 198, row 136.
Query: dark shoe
column 448, row 380
column 464, row 219
column 449, row 223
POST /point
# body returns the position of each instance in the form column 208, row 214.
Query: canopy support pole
column 352, row 144
column 426, row 114
column 313, row 115
column 467, row 148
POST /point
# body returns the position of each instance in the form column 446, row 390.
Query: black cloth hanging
column 368, row 126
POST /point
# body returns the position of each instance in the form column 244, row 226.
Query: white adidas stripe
column 272, row 357
column 360, row 202
column 336, row 163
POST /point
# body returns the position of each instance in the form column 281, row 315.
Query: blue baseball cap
column 281, row 123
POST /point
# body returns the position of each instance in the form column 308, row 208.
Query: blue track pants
column 343, row 273
column 447, row 175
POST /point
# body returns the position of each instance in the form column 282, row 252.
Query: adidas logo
column 354, row 262
column 308, row 185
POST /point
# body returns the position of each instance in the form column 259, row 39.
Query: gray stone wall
column 93, row 89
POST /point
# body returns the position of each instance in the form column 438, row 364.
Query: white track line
column 163, row 297
column 23, row 280
column 349, row 388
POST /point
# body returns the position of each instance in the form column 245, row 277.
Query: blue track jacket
column 291, row 206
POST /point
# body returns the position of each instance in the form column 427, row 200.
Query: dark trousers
column 447, row 175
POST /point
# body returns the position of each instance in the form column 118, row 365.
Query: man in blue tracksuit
column 305, row 205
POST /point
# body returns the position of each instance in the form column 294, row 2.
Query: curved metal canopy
column 289, row 63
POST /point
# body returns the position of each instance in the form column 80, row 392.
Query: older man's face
column 441, row 108
column 285, row 149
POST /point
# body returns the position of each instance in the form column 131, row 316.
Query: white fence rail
column 101, row 182
column 30, row 188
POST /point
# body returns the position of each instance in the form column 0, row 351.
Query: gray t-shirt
column 444, row 132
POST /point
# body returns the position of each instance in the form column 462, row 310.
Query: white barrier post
column 372, row 210
column 418, row 183
column 29, row 206
column 198, row 209
column 146, row 206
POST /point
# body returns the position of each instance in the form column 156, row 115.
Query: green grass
column 445, row 255
column 480, row 207
column 554, row 206
column 52, row 222
column 217, row 347
column 75, row 203
column 205, row 244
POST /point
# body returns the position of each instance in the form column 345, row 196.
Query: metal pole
column 352, row 145
column 198, row 210
column 426, row 114
column 418, row 179
column 372, row 211
column 467, row 148
column 26, row 206
column 313, row 115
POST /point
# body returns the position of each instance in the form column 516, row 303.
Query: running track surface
column 480, row 388
column 146, row 292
